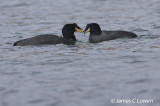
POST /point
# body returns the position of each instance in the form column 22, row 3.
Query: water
column 84, row 74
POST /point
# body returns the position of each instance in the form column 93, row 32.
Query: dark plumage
column 68, row 37
column 96, row 35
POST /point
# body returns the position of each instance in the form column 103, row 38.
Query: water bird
column 67, row 32
column 97, row 35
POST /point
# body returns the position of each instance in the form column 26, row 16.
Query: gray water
column 83, row 74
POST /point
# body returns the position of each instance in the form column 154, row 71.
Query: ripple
column 142, row 91
column 139, row 81
column 36, row 101
column 16, row 5
column 2, row 89
column 12, row 91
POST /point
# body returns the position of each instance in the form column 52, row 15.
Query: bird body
column 110, row 35
column 40, row 40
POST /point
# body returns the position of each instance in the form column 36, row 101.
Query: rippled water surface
column 83, row 74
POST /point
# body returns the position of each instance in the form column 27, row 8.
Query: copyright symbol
column 113, row 100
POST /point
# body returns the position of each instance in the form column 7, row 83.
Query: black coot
column 96, row 35
column 68, row 37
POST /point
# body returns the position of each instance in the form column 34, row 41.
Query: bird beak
column 78, row 30
column 85, row 31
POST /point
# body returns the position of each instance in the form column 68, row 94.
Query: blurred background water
column 83, row 74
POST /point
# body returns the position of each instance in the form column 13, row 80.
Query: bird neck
column 95, row 32
column 69, row 36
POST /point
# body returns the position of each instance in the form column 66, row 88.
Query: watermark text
column 134, row 100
